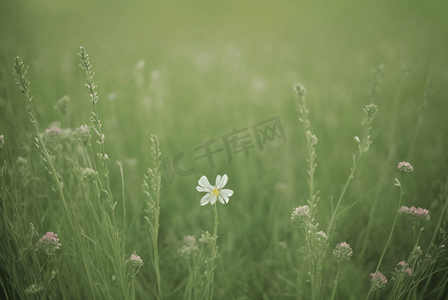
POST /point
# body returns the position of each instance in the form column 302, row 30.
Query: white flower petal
column 206, row 199
column 226, row 192
column 223, row 182
column 203, row 181
column 213, row 200
column 203, row 189
column 218, row 181
column 226, row 199
column 221, row 199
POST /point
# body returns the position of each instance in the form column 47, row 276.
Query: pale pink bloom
column 378, row 280
column 420, row 213
column 54, row 131
column 190, row 240
column 404, row 270
column 49, row 243
column 403, row 264
column 135, row 260
column 403, row 210
column 189, row 247
column 301, row 213
column 82, row 130
column 405, row 167
column 415, row 214
column 343, row 250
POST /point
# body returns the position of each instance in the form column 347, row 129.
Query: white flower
column 214, row 192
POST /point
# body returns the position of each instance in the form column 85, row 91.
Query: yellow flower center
column 215, row 192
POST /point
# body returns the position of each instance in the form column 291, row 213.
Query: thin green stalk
column 132, row 288
column 214, row 252
column 156, row 254
column 156, row 263
column 190, row 280
column 393, row 227
column 363, row 146
column 426, row 94
column 414, row 139
column 344, row 189
column 196, row 287
column 415, row 245
column 370, row 220
column 124, row 213
column 336, row 281
column 418, row 237
column 319, row 277
column 299, row 283
column 442, row 216
column 391, row 231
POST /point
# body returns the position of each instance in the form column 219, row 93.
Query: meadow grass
column 73, row 161
column 70, row 174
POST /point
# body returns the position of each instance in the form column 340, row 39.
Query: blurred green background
column 190, row 71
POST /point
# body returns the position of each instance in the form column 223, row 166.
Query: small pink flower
column 404, row 270
column 134, row 260
column 405, row 167
column 83, row 133
column 420, row 213
column 378, row 281
column 403, row 210
column 190, row 240
column 415, row 214
column 301, row 214
column 189, row 248
column 54, row 131
column 82, row 130
column 343, row 250
column 49, row 243
column 403, row 264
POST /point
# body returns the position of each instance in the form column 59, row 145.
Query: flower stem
column 214, row 251
column 132, row 288
column 344, row 189
column 336, row 281
column 391, row 232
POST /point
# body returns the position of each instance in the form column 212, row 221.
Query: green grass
column 209, row 69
